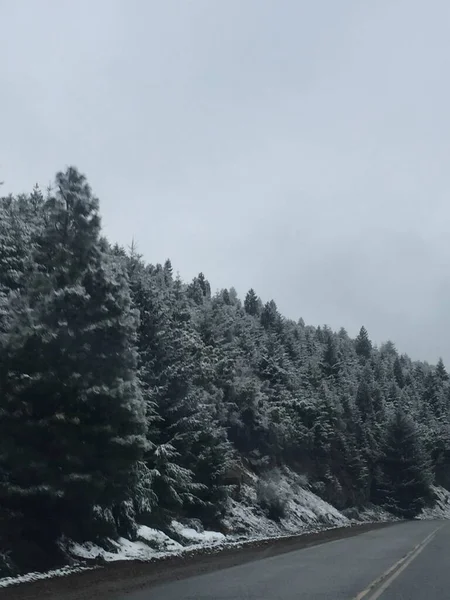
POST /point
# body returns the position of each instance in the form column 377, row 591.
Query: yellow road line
column 394, row 571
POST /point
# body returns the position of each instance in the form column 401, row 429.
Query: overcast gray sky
column 298, row 147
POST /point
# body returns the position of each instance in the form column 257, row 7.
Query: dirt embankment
column 116, row 579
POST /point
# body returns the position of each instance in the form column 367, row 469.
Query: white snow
column 124, row 550
column 304, row 510
column 7, row 581
column 245, row 521
column 199, row 537
column 370, row 514
column 151, row 544
column 158, row 538
column 441, row 509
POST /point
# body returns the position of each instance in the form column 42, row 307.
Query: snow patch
column 303, row 510
column 246, row 520
column 8, row 581
column 157, row 539
column 151, row 544
column 441, row 508
column 370, row 514
column 123, row 550
column 197, row 537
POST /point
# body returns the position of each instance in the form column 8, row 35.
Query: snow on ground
column 370, row 514
column 158, row 539
column 194, row 536
column 123, row 550
column 150, row 544
column 7, row 581
column 441, row 509
column 246, row 520
column 303, row 510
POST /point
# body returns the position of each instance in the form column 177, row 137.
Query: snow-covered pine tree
column 188, row 450
column 363, row 345
column 405, row 481
column 330, row 360
column 398, row 373
column 252, row 303
column 72, row 425
column 441, row 371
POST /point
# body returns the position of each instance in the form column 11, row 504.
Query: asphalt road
column 406, row 561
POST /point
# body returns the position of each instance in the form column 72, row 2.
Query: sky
column 300, row 148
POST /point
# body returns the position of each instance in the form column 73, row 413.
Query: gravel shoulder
column 122, row 577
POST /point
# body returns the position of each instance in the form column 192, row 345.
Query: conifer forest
column 129, row 396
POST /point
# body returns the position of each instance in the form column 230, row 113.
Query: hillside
column 132, row 399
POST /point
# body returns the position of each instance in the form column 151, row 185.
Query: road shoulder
column 126, row 576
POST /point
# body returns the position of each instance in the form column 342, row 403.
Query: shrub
column 271, row 500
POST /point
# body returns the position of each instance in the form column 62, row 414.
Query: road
column 406, row 561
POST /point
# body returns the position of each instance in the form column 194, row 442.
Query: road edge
column 125, row 576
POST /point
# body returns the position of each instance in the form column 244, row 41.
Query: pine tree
column 226, row 296
column 187, row 449
column 441, row 371
column 331, row 365
column 72, row 428
column 393, row 397
column 405, row 485
column 20, row 223
column 364, row 397
column 204, row 285
column 168, row 272
column 398, row 373
column 269, row 315
column 363, row 345
column 166, row 479
column 433, row 395
column 388, row 349
column 199, row 290
column 252, row 303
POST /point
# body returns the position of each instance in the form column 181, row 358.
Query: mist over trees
column 128, row 395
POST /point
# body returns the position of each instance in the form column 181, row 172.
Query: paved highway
column 405, row 561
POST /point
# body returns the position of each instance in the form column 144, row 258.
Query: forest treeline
column 128, row 396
